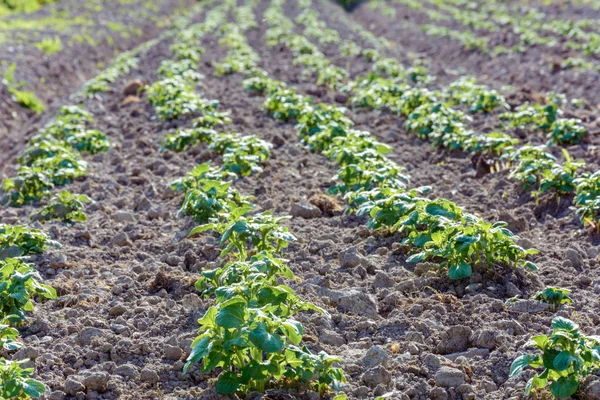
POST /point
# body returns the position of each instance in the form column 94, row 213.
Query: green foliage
column 543, row 116
column 443, row 231
column 185, row 69
column 23, row 98
column 477, row 97
column 52, row 157
column 567, row 357
column 30, row 185
column 66, row 207
column 492, row 144
column 184, row 138
column 193, row 179
column 27, row 100
column 537, row 169
column 587, row 198
column 16, row 241
column 263, row 231
column 211, row 199
column 24, row 6
column 284, row 104
column 15, row 381
column 122, row 65
column 49, row 46
column 19, row 283
column 554, row 296
column 566, row 131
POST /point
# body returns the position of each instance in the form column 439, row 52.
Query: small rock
column 58, row 261
column 96, row 381
column 278, row 141
column 149, row 375
column 173, row 260
column 87, row 334
column 359, row 303
column 585, row 280
column 191, row 301
column 473, row 288
column 73, row 386
column 432, row 362
column 592, row 391
column 488, row 385
column 122, row 216
column 592, row 252
column 173, row 353
column 376, row 376
column 528, row 306
column 127, row 370
column 349, row 258
column 485, row 338
column 575, row 258
column 525, row 243
column 142, row 204
column 412, row 349
column 121, row 240
column 117, row 310
column 471, row 353
column 512, row 290
column 383, row 280
column 57, row 395
column 437, row 393
column 133, row 87
column 449, row 377
column 331, row 338
column 374, row 356
column 305, row 210
column 455, row 339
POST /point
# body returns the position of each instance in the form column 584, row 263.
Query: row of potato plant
column 431, row 116
column 372, row 184
column 250, row 334
column 53, row 158
column 528, row 24
column 129, row 60
column 566, row 355
column 566, row 361
column 20, row 284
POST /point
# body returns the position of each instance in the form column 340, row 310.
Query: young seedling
column 567, row 357
column 554, row 296
column 66, row 207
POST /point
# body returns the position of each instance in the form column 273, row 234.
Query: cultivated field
column 283, row 199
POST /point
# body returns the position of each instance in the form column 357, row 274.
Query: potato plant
column 16, row 241
column 250, row 333
column 19, row 283
column 587, row 198
column 66, row 207
column 539, row 170
column 554, row 296
column 53, row 157
column 567, row 357
column 15, row 381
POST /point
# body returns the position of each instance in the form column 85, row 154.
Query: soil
column 127, row 310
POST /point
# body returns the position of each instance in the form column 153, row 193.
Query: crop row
column 250, row 334
column 438, row 229
column 51, row 159
column 524, row 21
column 431, row 115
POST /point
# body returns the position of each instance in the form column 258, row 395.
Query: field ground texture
column 127, row 309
